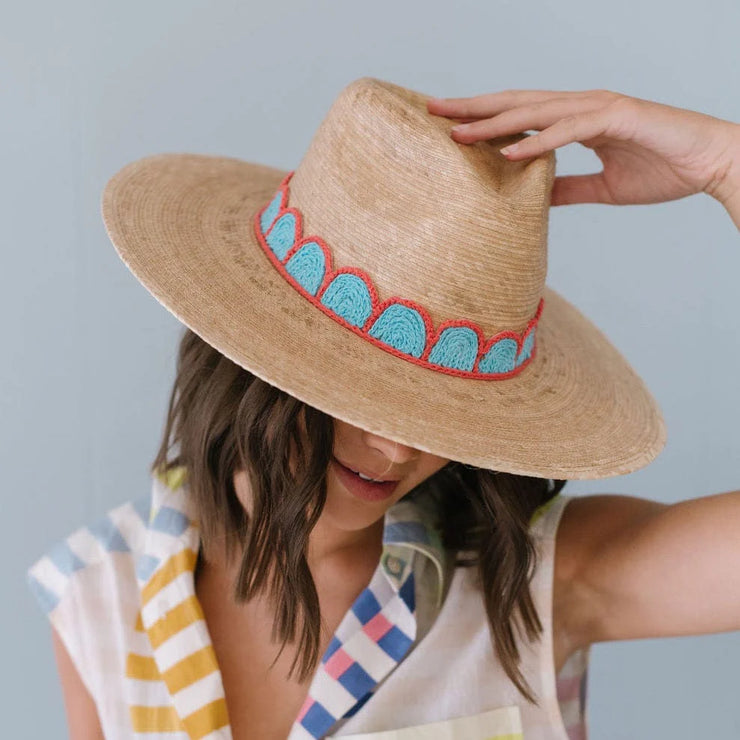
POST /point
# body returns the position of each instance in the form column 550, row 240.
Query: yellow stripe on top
column 183, row 615
column 174, row 477
column 187, row 671
column 206, row 719
column 142, row 667
column 155, row 719
column 178, row 564
column 542, row 508
column 190, row 669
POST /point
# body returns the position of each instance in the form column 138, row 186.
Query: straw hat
column 396, row 280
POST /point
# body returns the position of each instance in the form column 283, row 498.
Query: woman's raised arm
column 642, row 569
column 645, row 569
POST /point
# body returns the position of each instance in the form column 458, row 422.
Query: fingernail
column 460, row 127
column 509, row 149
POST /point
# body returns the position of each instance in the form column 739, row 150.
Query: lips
column 367, row 474
column 363, row 489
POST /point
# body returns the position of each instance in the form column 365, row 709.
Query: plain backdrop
column 88, row 355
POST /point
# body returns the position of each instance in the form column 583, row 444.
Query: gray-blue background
column 88, row 85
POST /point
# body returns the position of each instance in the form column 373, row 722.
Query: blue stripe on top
column 106, row 532
column 404, row 533
column 366, row 606
column 170, row 521
column 64, row 559
column 47, row 599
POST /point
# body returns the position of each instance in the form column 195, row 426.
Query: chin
column 343, row 511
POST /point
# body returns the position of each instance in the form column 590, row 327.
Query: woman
column 332, row 604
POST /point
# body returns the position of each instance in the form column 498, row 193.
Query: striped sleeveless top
column 120, row 593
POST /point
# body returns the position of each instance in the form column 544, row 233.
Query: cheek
column 434, row 465
column 438, row 463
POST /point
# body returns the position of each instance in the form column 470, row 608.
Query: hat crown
column 454, row 227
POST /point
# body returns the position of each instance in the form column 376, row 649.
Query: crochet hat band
column 397, row 325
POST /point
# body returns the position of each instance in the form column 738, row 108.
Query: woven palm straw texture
column 455, row 228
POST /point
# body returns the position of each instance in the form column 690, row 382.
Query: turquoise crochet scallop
column 269, row 214
column 402, row 328
column 282, row 235
column 348, row 296
column 457, row 347
column 308, row 266
column 526, row 348
column 501, row 358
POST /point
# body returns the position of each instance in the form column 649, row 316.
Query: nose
column 395, row 452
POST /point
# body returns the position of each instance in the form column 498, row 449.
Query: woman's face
column 352, row 505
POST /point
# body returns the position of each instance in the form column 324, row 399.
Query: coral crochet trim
column 396, row 325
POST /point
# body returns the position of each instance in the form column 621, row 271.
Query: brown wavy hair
column 222, row 419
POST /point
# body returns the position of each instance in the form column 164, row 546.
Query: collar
column 372, row 639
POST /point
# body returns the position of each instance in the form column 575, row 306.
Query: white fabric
column 450, row 674
column 453, row 672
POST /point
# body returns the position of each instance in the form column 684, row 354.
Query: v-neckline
column 371, row 640
column 217, row 590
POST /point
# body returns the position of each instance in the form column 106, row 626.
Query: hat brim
column 183, row 224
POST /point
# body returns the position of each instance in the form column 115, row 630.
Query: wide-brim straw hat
column 395, row 280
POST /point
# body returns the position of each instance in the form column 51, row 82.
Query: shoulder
column 112, row 548
column 587, row 525
column 590, row 521
column 86, row 585
column 108, row 544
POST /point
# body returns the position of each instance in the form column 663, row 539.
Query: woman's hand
column 650, row 152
